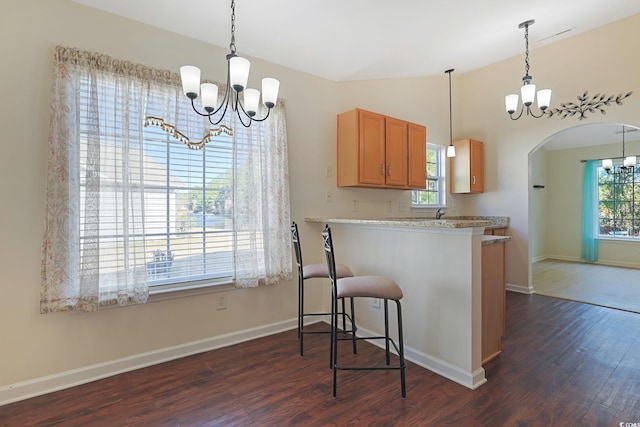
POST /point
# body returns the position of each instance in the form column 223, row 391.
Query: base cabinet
column 493, row 299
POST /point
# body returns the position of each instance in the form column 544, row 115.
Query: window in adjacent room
column 434, row 194
column 619, row 202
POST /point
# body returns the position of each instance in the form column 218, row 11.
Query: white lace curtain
column 98, row 105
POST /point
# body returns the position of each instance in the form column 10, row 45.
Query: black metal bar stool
column 368, row 287
column 311, row 271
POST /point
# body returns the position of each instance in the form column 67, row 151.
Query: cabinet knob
column 389, row 170
column 474, row 179
column 382, row 169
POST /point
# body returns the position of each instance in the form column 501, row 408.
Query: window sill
column 619, row 239
column 166, row 292
column 429, row 207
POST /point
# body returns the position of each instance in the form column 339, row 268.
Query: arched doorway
column 556, row 177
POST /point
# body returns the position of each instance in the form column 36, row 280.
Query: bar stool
column 312, row 271
column 368, row 287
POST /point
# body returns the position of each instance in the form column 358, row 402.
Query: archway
column 555, row 194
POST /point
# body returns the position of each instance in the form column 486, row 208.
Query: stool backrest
column 328, row 251
column 296, row 246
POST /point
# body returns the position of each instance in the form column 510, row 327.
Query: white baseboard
column 43, row 385
column 48, row 384
column 470, row 380
column 520, row 289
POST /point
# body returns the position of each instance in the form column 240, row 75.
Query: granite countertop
column 491, row 240
column 451, row 222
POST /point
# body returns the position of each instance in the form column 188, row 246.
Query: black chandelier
column 237, row 76
column 628, row 162
column 528, row 89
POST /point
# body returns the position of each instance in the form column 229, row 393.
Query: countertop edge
column 410, row 222
column 491, row 240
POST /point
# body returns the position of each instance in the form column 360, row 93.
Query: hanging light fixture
column 237, row 76
column 628, row 162
column 451, row 149
column 528, row 89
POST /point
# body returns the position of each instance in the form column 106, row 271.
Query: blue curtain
column 590, row 212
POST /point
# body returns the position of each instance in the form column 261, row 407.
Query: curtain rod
column 605, row 158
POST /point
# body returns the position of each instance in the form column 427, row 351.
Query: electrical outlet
column 328, row 172
column 402, row 206
column 375, row 302
column 222, row 302
column 355, row 206
column 389, row 206
column 328, row 197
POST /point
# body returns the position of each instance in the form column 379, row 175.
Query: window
column 129, row 206
column 619, row 202
column 434, row 195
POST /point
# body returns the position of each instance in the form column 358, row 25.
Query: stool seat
column 368, row 286
column 311, row 271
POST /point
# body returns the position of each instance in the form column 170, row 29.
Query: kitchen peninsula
column 438, row 265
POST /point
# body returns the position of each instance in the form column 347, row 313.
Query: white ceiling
column 343, row 40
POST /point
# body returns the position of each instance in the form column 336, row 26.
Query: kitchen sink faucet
column 439, row 213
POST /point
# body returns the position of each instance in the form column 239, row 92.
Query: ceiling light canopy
column 528, row 89
column 237, row 76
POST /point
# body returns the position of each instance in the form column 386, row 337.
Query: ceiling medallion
column 587, row 105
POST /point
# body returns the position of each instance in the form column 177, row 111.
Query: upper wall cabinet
column 380, row 152
column 467, row 167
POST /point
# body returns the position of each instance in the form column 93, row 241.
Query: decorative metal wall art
column 587, row 105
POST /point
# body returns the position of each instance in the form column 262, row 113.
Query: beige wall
column 37, row 345
column 538, row 213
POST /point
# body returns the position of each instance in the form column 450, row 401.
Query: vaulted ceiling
column 343, row 40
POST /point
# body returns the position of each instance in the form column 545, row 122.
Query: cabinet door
column 396, row 152
column 493, row 299
column 417, row 156
column 372, row 148
column 466, row 169
column 477, row 167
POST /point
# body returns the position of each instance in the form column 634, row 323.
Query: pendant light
column 528, row 89
column 628, row 162
column 451, row 149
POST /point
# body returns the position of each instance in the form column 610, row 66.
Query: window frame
column 615, row 173
column 440, row 178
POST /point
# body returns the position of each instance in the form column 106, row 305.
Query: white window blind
column 186, row 215
column 433, row 195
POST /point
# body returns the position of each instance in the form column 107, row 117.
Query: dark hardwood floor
column 563, row 364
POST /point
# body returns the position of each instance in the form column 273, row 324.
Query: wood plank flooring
column 562, row 364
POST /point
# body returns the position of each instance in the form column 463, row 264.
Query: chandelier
column 628, row 162
column 237, row 76
column 528, row 89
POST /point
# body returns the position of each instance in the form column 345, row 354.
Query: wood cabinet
column 496, row 232
column 493, row 299
column 377, row 151
column 467, row 167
